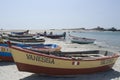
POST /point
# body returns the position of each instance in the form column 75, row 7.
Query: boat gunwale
column 62, row 58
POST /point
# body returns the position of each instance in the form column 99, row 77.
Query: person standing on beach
column 45, row 33
column 51, row 33
column 64, row 35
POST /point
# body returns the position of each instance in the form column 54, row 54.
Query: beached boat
column 20, row 36
column 21, row 33
column 53, row 36
column 81, row 40
column 5, row 53
column 41, row 47
column 56, row 36
column 23, row 39
column 62, row 63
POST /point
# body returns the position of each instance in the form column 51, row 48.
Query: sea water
column 103, row 38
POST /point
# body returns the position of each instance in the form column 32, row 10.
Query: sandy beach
column 9, row 71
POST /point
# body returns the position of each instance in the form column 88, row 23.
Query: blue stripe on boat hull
column 5, row 54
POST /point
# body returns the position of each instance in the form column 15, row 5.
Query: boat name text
column 40, row 58
column 108, row 61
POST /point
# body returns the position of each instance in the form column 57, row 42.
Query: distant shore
column 59, row 30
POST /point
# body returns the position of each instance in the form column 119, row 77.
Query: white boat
column 81, row 40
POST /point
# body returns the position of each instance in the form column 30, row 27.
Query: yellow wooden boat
column 63, row 63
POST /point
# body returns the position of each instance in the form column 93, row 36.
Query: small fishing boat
column 5, row 53
column 19, row 36
column 21, row 33
column 81, row 40
column 53, row 36
column 23, row 39
column 41, row 47
column 62, row 63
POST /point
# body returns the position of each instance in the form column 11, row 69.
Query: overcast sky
column 59, row 14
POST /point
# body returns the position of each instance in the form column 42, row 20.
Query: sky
column 59, row 14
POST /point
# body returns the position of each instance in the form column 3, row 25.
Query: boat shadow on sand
column 108, row 75
column 2, row 63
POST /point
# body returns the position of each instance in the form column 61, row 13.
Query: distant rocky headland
column 96, row 29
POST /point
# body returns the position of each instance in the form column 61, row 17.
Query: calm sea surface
column 106, row 38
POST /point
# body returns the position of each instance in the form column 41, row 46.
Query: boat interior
column 94, row 54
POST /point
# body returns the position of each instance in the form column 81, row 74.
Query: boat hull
column 60, row 71
column 54, row 36
column 6, row 56
column 82, row 42
column 41, row 63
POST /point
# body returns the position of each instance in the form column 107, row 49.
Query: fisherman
column 64, row 35
column 45, row 33
column 51, row 33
